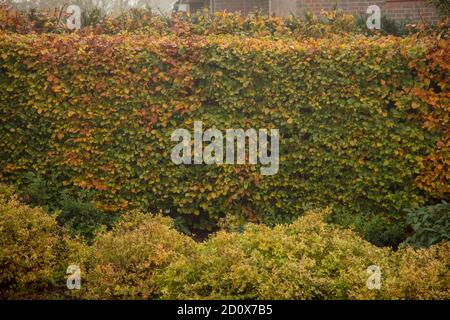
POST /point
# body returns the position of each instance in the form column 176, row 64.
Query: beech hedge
column 363, row 121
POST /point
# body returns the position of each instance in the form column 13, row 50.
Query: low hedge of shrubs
column 34, row 251
column 143, row 257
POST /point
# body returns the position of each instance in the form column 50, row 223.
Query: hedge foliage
column 363, row 121
column 34, row 251
column 128, row 258
column 308, row 259
column 143, row 257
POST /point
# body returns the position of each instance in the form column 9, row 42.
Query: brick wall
column 414, row 10
column 284, row 7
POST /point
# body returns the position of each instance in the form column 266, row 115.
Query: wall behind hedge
column 96, row 113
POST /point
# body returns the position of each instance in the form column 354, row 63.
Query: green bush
column 430, row 224
column 83, row 218
column 73, row 211
column 381, row 230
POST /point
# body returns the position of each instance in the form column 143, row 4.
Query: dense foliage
column 363, row 123
column 430, row 224
column 85, row 136
column 34, row 251
column 305, row 260
column 144, row 257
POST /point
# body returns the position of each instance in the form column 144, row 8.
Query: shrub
column 127, row 258
column 144, row 257
column 82, row 217
column 34, row 251
column 381, row 230
column 419, row 274
column 430, row 224
column 73, row 211
column 39, row 191
column 308, row 259
column 6, row 192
